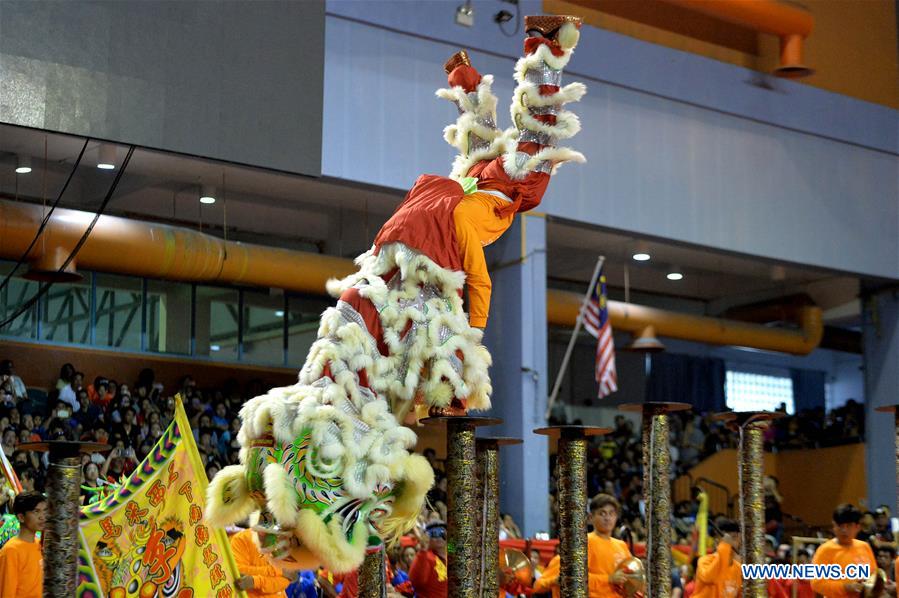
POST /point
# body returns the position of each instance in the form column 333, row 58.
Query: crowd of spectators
column 128, row 417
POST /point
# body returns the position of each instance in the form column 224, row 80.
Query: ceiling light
column 675, row 274
column 207, row 195
column 214, row 348
column 645, row 341
column 279, row 313
column 23, row 165
column 465, row 14
column 641, row 257
column 107, row 157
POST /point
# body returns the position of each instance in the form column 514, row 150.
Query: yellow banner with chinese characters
column 148, row 538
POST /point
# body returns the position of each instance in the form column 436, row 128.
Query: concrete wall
column 679, row 146
column 812, row 482
column 237, row 81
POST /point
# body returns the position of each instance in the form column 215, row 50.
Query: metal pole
column 372, row 574
column 488, row 561
column 573, row 517
column 61, row 530
column 60, row 537
column 753, row 498
column 657, row 492
column 751, row 427
column 488, row 508
column 462, row 570
column 657, row 501
column 572, row 462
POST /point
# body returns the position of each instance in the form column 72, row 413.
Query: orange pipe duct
column 161, row 251
column 789, row 22
column 562, row 309
column 136, row 248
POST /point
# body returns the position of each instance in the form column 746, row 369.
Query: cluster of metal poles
column 473, row 502
column 473, row 506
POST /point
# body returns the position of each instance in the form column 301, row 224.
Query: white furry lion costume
column 327, row 458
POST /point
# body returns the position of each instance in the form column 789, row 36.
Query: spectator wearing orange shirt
column 843, row 550
column 604, row 554
column 21, row 560
column 98, row 392
column 259, row 577
column 718, row 574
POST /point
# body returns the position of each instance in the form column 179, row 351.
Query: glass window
column 217, row 323
column 263, row 328
column 15, row 294
column 303, row 315
column 747, row 391
column 66, row 312
column 119, row 304
column 168, row 317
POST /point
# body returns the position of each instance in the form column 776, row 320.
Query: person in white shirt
column 69, row 394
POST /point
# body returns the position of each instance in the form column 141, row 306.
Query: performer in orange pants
column 328, row 458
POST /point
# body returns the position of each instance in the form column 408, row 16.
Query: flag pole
column 577, row 328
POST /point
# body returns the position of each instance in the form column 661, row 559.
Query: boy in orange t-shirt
column 843, row 550
column 718, row 575
column 21, row 560
column 604, row 554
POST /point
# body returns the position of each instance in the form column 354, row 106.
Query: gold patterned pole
column 752, row 465
column 657, row 493
column 463, row 570
column 487, row 549
column 61, row 530
column 372, row 574
column 751, row 426
column 60, row 535
column 572, row 462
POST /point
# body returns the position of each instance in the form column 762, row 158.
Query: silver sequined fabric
column 544, row 75
column 528, row 136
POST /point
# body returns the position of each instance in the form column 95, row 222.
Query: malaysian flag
column 596, row 321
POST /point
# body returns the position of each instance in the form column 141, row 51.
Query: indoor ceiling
column 341, row 218
column 718, row 279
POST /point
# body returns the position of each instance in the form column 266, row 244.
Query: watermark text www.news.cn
column 806, row 571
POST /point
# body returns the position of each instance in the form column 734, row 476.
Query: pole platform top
column 62, row 449
column 465, row 420
column 572, row 431
column 496, row 441
column 741, row 418
column 655, row 407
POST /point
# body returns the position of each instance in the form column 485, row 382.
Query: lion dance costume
column 327, row 461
